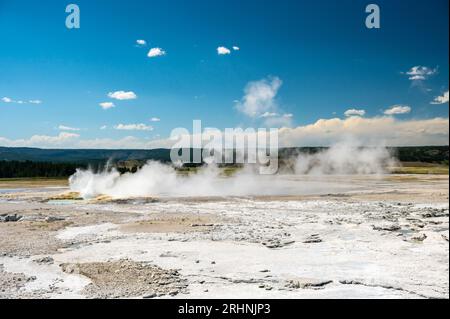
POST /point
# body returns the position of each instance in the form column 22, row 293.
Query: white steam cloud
column 344, row 158
column 156, row 179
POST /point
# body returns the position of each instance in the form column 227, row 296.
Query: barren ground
column 380, row 237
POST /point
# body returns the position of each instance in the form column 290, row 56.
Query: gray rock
column 419, row 237
column 305, row 283
column 5, row 218
column 44, row 260
column 312, row 239
column 51, row 219
column 387, row 227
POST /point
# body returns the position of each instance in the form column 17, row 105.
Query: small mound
column 127, row 279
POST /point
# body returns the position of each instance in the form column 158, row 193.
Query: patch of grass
column 33, row 182
column 66, row 196
column 436, row 170
column 224, row 171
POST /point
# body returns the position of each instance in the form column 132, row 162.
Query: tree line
column 18, row 169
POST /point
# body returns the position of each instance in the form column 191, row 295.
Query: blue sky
column 325, row 59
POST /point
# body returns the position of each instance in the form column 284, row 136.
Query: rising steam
column 345, row 158
column 156, row 179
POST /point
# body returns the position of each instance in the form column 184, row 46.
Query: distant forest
column 18, row 169
column 30, row 162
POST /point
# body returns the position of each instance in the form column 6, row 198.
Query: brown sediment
column 34, row 233
column 66, row 196
column 106, row 199
column 172, row 223
column 30, row 238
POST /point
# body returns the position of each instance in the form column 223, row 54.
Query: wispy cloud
column 133, row 127
column 398, row 109
column 259, row 97
column 10, row 100
column 259, row 102
column 155, row 119
column 223, row 50
column 155, row 52
column 354, row 112
column 61, row 140
column 442, row 99
column 236, row 48
column 420, row 73
column 107, row 105
column 269, row 114
column 67, row 128
column 122, row 95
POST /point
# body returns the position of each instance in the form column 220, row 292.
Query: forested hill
column 34, row 162
column 89, row 156
column 427, row 154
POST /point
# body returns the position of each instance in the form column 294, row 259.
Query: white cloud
column 398, row 109
column 441, row 99
column 70, row 140
column 417, row 77
column 259, row 97
column 133, row 127
column 288, row 115
column 155, row 52
column 236, row 48
column 67, row 128
column 107, row 105
column 420, row 73
column 122, row 95
column 324, row 132
column 268, row 114
column 354, row 112
column 10, row 100
column 155, row 119
column 374, row 131
column 103, row 127
column 62, row 140
column 141, row 42
column 223, row 51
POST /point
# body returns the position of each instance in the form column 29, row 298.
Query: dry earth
column 379, row 238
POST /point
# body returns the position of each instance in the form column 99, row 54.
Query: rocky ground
column 385, row 238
